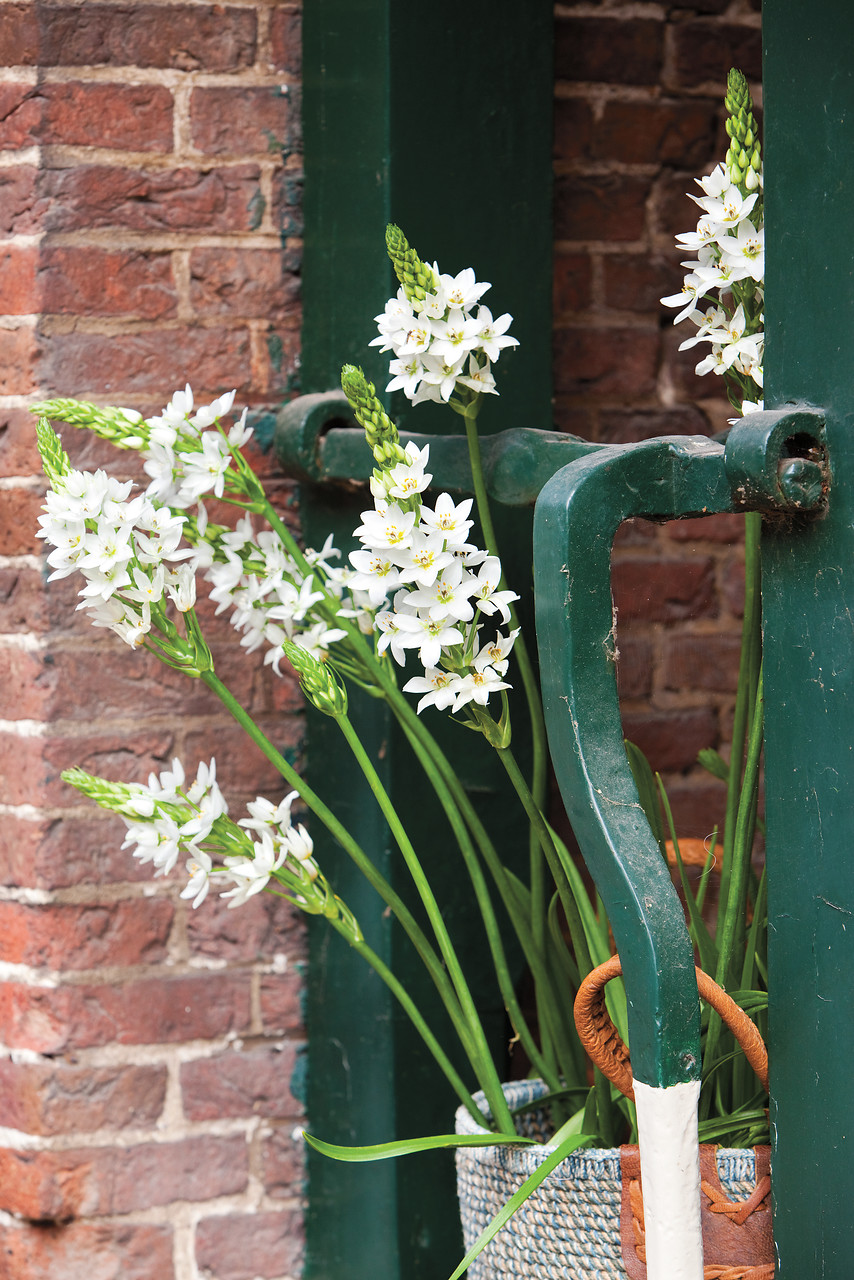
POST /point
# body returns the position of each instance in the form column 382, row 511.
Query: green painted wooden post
column 439, row 119
column 808, row 601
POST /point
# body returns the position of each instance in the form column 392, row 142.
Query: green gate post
column 808, row 602
column 437, row 118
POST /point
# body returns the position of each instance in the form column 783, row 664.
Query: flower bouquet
column 418, row 614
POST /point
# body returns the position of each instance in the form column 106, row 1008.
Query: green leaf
column 564, row 1146
column 560, row 955
column 647, row 794
column 714, row 763
column 595, row 930
column 700, row 935
column 409, row 1146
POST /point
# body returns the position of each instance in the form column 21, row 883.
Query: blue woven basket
column 569, row 1229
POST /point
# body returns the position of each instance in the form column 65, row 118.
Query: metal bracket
column 776, row 460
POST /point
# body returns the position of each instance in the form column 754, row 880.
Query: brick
column 263, row 1245
column 146, row 1011
column 125, row 117
column 255, row 931
column 19, row 455
column 673, row 211
column 251, row 1082
column 54, row 853
column 698, row 807
column 287, row 203
column 20, row 113
column 30, row 768
column 281, row 1001
column 702, row 662
column 625, row 426
column 664, row 590
column 634, row 667
column 606, row 362
column 57, row 1097
column 206, row 38
column 22, row 602
column 637, row 281
column 152, row 200
column 671, row 739
column 572, row 283
column 573, row 129
column 609, row 206
column 86, row 1251
column 727, row 527
column 662, row 132
column 62, row 936
column 50, row 1185
column 283, row 1162
column 104, row 282
column 18, row 284
column 733, row 589
column 241, row 122
column 704, row 51
column 616, row 50
column 19, row 35
column 123, row 365
column 242, row 282
column 240, row 760
column 21, row 351
column 21, row 204
column 20, row 510
column 286, row 39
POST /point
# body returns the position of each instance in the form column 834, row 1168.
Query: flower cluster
column 184, row 459
column 441, row 586
column 171, row 816
column 728, row 271
column 440, row 343
column 122, row 546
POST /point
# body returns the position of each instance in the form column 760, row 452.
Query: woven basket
column 569, row 1229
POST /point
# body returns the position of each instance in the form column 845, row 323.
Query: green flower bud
column 117, row 796
column 744, row 151
column 317, row 681
column 380, row 431
column 54, row 458
column 416, row 277
column 123, row 427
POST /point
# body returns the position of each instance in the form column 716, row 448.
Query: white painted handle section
column 670, row 1172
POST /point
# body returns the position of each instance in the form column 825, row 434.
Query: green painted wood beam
column 438, row 119
column 808, row 601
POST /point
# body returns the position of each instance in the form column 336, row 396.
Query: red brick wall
column 146, row 1117
column 638, row 115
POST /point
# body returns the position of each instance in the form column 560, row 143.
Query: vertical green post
column 437, row 118
column 808, row 600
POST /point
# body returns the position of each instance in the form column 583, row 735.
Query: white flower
column 476, row 686
column 448, row 597
column 448, row 518
column 264, row 814
column 439, row 688
column 253, row 874
column 744, row 253
column 205, row 471
column 387, row 526
column 428, row 635
column 462, row 290
column 207, row 414
column 479, row 377
column 492, row 334
column 199, row 868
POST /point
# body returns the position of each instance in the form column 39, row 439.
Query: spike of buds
column 743, row 159
column 317, row 681
column 54, row 458
column 415, row 276
column 380, row 431
column 124, row 427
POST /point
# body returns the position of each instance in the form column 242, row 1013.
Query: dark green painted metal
column 576, row 517
column 310, row 445
column 808, row 606
column 439, row 120
column 776, row 460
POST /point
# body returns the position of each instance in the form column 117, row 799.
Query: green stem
column 480, row 1055
column 415, row 1016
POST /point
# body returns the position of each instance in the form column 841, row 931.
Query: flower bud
column 380, row 431
column 416, row 277
column 317, row 681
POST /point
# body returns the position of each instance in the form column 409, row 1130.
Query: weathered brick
column 19, row 455
column 281, row 1000
column 615, row 49
column 184, row 199
column 241, row 761
column 664, row 590
column 57, row 1097
column 51, row 1185
column 637, row 281
column 606, row 206
column 661, row 132
column 85, row 1251
column 22, row 603
column 733, row 588
column 702, row 662
column 91, row 281
column 250, row 1082
column 148, row 1011
column 254, row 931
column 704, row 51
column 187, row 37
column 20, row 113
column 53, row 853
column 119, row 365
column 287, row 203
column 698, row 808
column 634, row 667
column 726, row 527
column 64, row 936
column 671, row 739
column 573, row 129
column 283, row 1162
column 19, row 35
column 30, row 767
column 123, row 116
column 606, row 362
column 22, row 205
column 286, row 38
column 243, row 121
column 18, row 284
column 624, row 426
column 264, row 1245
column 18, row 377
column 242, row 282
column 19, row 512
column 572, row 282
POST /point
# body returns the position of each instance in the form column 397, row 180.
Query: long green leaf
column 408, row 1146
column 564, row 1147
column 645, row 783
column 700, row 935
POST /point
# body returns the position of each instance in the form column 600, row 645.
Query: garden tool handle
column 606, row 1049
